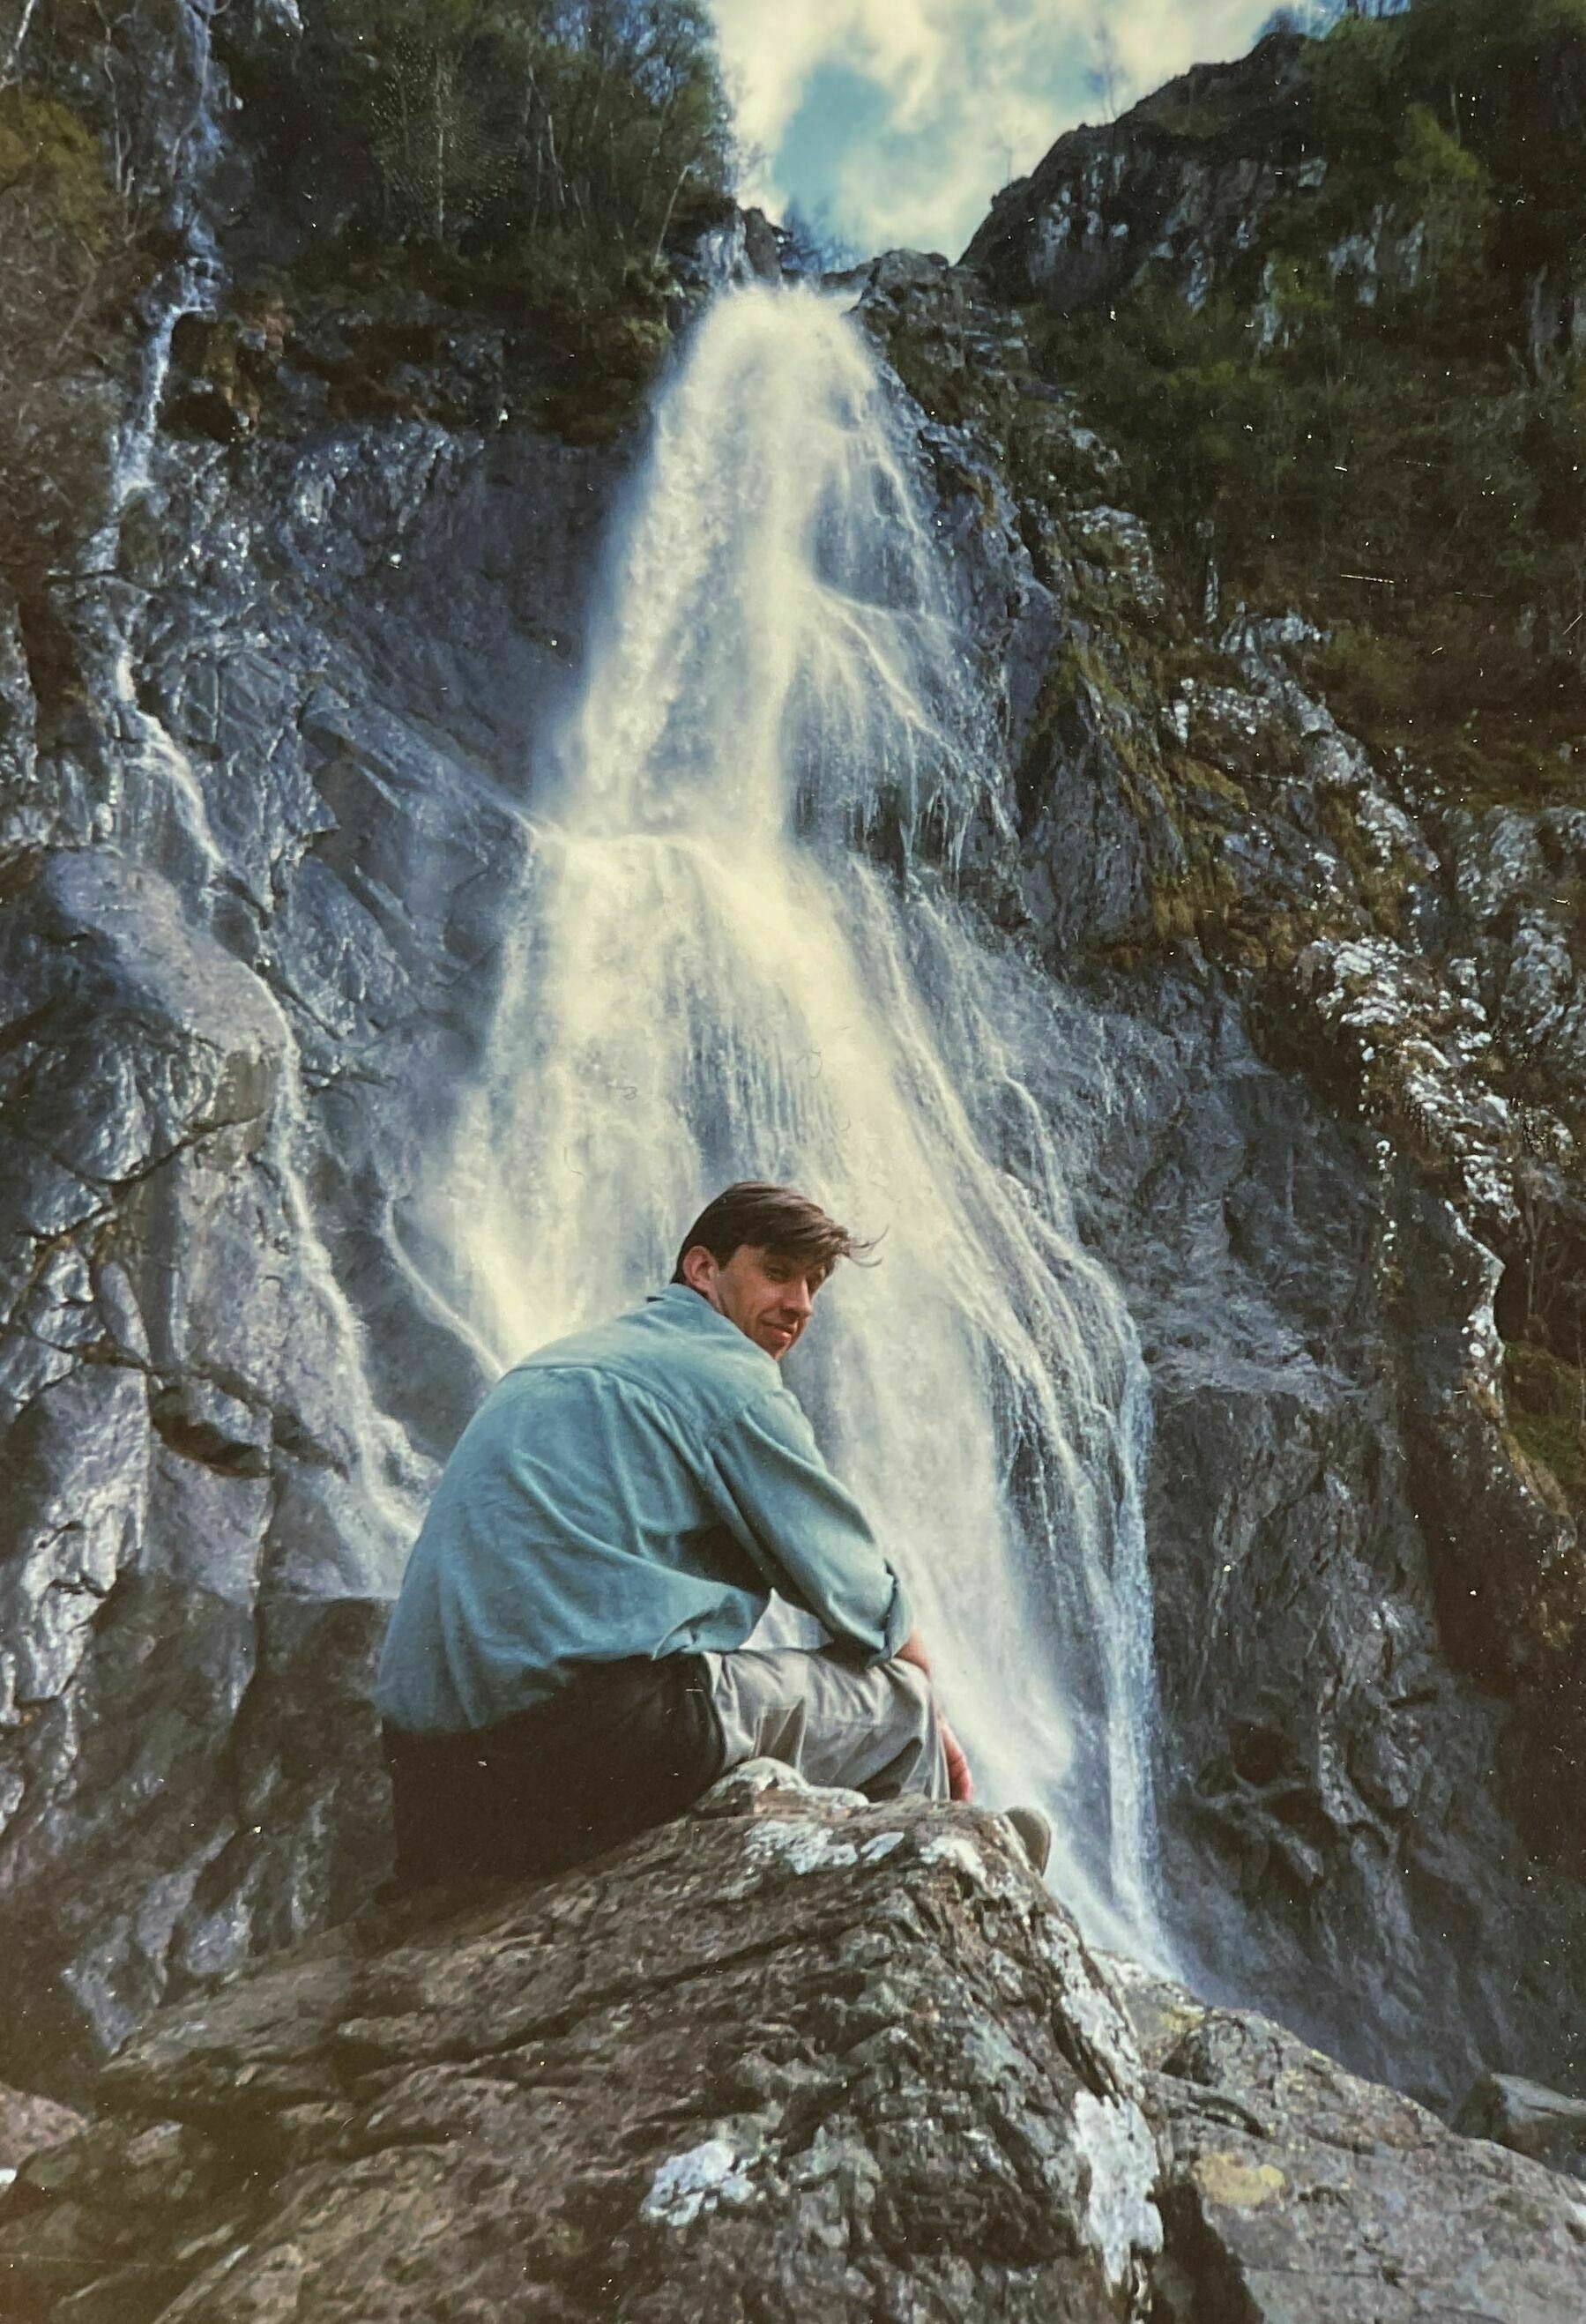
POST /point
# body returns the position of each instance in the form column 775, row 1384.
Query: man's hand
column 960, row 1782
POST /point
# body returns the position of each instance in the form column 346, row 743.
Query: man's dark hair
column 787, row 1225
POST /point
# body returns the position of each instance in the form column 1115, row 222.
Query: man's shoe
column 1033, row 1831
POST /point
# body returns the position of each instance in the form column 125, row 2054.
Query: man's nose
column 799, row 1297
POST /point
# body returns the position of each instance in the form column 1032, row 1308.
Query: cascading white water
column 710, row 978
column 374, row 1484
column 158, row 811
column 191, row 284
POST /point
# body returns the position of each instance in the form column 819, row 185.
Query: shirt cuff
column 898, row 1623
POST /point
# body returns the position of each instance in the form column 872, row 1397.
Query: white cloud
column 974, row 91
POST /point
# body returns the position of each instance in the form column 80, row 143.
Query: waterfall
column 370, row 1482
column 190, row 284
column 711, row 976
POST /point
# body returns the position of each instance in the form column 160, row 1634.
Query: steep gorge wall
column 1305, row 1151
column 270, row 762
column 265, row 767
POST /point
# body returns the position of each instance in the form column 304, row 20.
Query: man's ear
column 699, row 1269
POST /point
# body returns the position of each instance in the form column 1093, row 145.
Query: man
column 566, row 1664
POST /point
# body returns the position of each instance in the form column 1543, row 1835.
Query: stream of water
column 713, row 977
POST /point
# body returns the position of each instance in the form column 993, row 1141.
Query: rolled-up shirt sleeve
column 805, row 1530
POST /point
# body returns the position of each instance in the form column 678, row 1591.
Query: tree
column 1450, row 190
column 602, row 123
column 1106, row 78
column 812, row 245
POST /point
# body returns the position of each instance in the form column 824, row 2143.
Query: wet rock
column 202, row 1423
column 22, row 816
column 1301, row 1140
column 1417, row 1051
column 153, row 1358
column 209, row 1783
column 1097, row 843
column 235, row 1011
column 132, row 1038
column 161, row 1037
column 1295, row 2192
column 1520, row 880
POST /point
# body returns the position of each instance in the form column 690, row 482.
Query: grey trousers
column 868, row 1730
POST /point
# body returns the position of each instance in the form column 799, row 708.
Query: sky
column 893, row 122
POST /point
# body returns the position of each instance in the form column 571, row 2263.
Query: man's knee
column 914, row 1682
column 909, row 1721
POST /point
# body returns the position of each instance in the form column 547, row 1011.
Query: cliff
column 280, row 661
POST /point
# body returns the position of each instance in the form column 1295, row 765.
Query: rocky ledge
column 795, row 2056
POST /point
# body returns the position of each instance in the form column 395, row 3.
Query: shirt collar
column 682, row 1300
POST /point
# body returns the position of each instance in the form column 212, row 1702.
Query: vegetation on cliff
column 411, row 166
column 526, row 159
column 1379, row 413
column 74, row 247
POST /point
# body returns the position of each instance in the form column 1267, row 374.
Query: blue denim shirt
column 639, row 1487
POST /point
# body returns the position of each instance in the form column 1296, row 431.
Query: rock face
column 1528, row 2117
column 29, row 2124
column 1303, row 1170
column 271, row 749
column 793, row 2057
column 1107, row 202
column 217, row 940
column 200, row 1469
column 1294, row 2190
column 789, row 2057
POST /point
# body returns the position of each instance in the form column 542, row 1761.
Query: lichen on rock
column 898, row 2084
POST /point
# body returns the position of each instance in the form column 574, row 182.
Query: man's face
column 768, row 1296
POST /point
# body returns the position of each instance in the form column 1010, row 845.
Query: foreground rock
column 1530, row 2118
column 796, row 2057
column 1297, row 2193
column 815, row 2061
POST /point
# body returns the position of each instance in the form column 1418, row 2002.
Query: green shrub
column 1446, row 187
column 72, row 254
column 1354, row 79
column 1402, row 469
column 1548, row 1414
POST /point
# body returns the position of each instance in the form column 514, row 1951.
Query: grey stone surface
column 788, row 2059
column 271, row 755
column 1181, row 182
column 1295, row 2191
column 1528, row 2118
column 266, row 763
column 29, row 2124
column 793, row 2057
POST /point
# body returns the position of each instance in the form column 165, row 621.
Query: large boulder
column 1297, row 2193
column 794, row 2057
